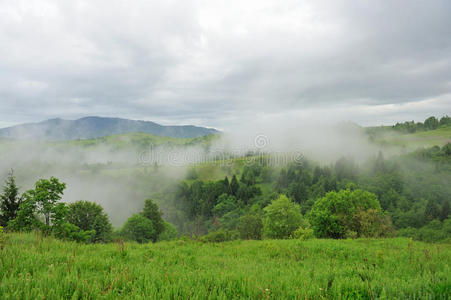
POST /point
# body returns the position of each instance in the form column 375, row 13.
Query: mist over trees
column 386, row 195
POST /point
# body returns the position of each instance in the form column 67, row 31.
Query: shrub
column 139, row 228
column 169, row 233
column 71, row 232
column 338, row 214
column 303, row 233
column 282, row 218
column 250, row 227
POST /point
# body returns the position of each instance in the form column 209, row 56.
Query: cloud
column 219, row 63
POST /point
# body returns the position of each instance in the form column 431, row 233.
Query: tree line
column 402, row 195
column 41, row 209
column 430, row 123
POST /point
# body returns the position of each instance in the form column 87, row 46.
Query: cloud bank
column 224, row 63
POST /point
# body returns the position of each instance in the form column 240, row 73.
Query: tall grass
column 36, row 267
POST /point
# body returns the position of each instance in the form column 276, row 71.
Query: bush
column 435, row 231
column 303, row 233
column 339, row 214
column 169, row 233
column 282, row 218
column 250, row 227
column 71, row 232
column 138, row 228
column 89, row 216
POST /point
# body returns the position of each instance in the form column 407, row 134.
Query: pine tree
column 153, row 213
column 9, row 200
column 234, row 185
column 445, row 210
column 226, row 184
column 431, row 211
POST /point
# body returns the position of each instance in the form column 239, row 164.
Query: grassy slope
column 438, row 137
column 139, row 140
column 33, row 267
column 118, row 141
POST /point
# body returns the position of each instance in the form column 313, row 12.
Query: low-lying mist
column 121, row 178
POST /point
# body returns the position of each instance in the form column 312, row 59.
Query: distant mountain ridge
column 95, row 127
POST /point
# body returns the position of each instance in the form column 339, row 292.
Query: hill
column 410, row 141
column 95, row 127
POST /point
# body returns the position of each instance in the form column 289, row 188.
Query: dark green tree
column 432, row 210
column 90, row 216
column 9, row 200
column 250, row 226
column 42, row 201
column 234, row 185
column 226, row 184
column 445, row 121
column 445, row 210
column 153, row 213
column 431, row 123
column 226, row 203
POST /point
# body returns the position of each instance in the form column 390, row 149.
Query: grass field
column 33, row 267
column 411, row 141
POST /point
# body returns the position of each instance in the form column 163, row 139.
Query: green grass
column 117, row 142
column 438, row 137
column 33, row 267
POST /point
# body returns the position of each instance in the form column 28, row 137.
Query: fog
column 121, row 178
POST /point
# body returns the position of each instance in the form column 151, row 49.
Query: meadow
column 411, row 141
column 37, row 267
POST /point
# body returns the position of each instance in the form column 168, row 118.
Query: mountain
column 94, row 127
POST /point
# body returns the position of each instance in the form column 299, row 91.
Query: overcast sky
column 223, row 63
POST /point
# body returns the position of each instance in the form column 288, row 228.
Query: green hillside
column 385, row 136
column 139, row 140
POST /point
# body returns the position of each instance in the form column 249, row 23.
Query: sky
column 227, row 63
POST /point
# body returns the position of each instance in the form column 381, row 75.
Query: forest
column 403, row 195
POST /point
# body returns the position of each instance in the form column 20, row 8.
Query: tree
column 246, row 192
column 282, row 218
column 9, row 200
column 226, row 185
column 333, row 216
column 250, row 226
column 153, row 213
column 445, row 120
column 46, row 194
column 445, row 210
column 226, row 203
column 371, row 223
column 432, row 210
column 446, row 149
column 431, row 123
column 90, row 216
column 139, row 228
column 26, row 219
column 234, row 185
column 43, row 200
column 169, row 233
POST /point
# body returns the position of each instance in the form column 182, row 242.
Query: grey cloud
column 206, row 62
